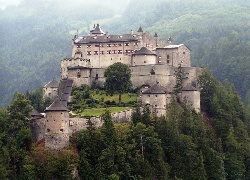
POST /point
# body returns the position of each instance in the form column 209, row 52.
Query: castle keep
column 153, row 63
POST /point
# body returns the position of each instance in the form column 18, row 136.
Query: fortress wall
column 184, row 56
column 76, row 124
column 50, row 92
column 37, row 128
column 123, row 116
column 79, row 76
column 56, row 141
column 155, row 100
column 190, row 75
column 166, row 56
column 192, row 98
column 143, row 60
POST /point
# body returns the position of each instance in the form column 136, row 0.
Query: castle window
column 71, row 123
column 126, row 44
column 136, row 44
column 101, row 52
column 95, row 52
column 184, row 52
column 96, row 76
column 148, row 95
column 97, row 45
column 167, row 56
column 78, row 46
column 88, row 53
column 155, row 95
column 152, row 72
column 127, row 51
column 88, row 46
column 114, row 51
column 119, row 44
column 61, row 130
column 156, row 105
column 48, row 130
column 108, row 45
column 168, row 61
column 145, row 61
column 159, row 61
column 109, row 52
column 78, row 75
column 119, row 51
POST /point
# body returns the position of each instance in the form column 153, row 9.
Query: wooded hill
column 36, row 36
column 183, row 145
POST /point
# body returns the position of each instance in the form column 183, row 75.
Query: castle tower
column 156, row 39
column 97, row 31
column 37, row 125
column 56, row 126
column 156, row 97
column 50, row 89
column 191, row 96
column 143, row 57
column 140, row 36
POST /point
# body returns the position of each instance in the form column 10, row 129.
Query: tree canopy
column 118, row 79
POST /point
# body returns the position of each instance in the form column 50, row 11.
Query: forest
column 213, row 144
column 184, row 144
column 36, row 35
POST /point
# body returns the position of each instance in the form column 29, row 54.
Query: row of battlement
column 74, row 59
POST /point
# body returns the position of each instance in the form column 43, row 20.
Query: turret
column 140, row 35
column 156, row 39
column 56, row 125
column 50, row 89
column 97, row 31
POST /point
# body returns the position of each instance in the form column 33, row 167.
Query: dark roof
column 67, row 90
column 144, row 51
column 106, row 39
column 189, row 88
column 57, row 105
column 97, row 30
column 69, row 83
column 52, row 84
column 140, row 29
column 35, row 113
column 155, row 89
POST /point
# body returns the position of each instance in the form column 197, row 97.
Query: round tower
column 56, row 126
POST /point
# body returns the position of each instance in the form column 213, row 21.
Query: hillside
column 36, row 36
column 213, row 144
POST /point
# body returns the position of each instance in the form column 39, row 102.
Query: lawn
column 128, row 97
column 98, row 111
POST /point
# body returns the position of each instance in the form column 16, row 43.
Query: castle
column 153, row 63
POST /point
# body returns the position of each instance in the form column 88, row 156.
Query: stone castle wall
column 56, row 139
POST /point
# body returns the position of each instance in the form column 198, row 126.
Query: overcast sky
column 4, row 3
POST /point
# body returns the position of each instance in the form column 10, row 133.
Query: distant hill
column 36, row 36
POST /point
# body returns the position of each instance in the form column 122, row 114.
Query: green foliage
column 37, row 101
column 118, row 79
column 213, row 144
column 178, row 86
column 93, row 102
